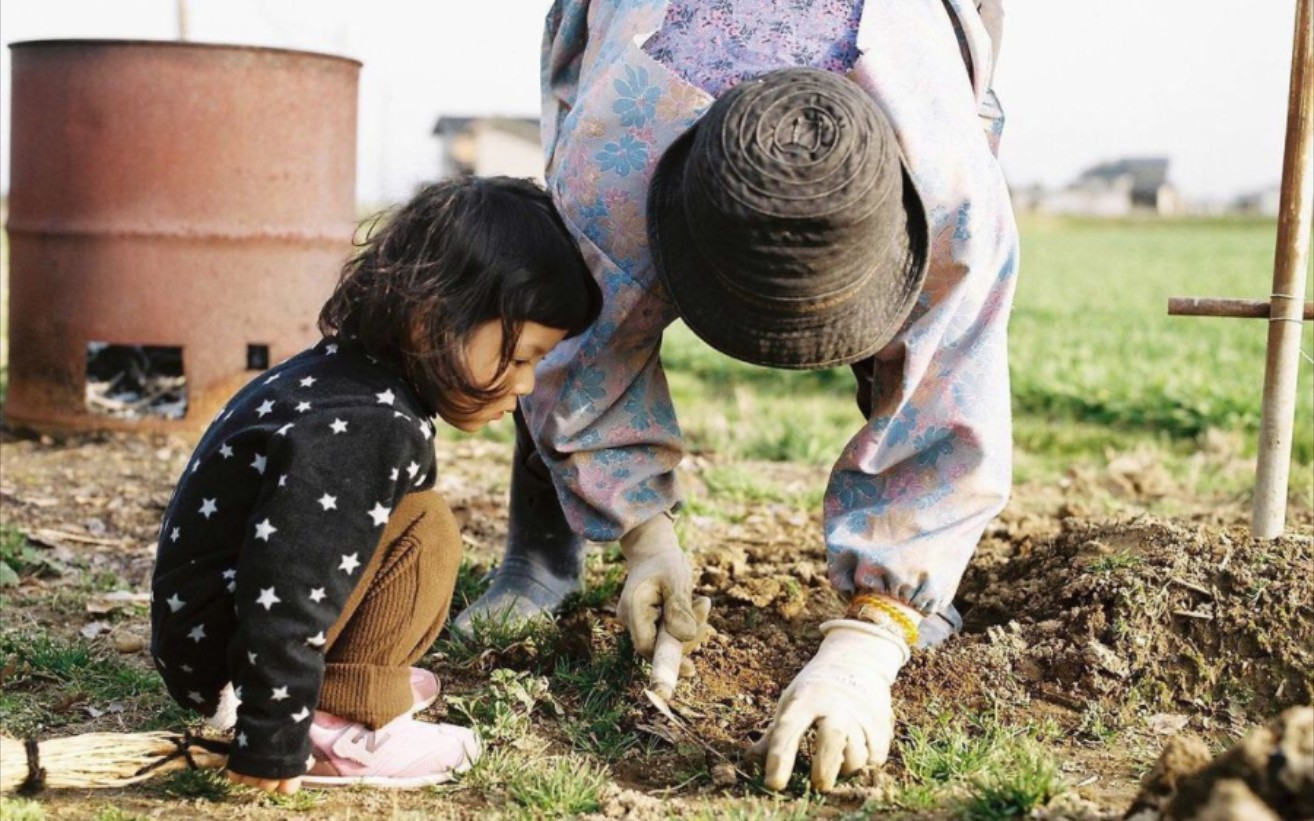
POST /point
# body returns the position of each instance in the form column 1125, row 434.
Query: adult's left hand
column 844, row 691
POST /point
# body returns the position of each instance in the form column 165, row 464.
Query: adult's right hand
column 658, row 596
column 844, row 691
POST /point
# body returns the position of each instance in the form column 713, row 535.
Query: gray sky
column 1201, row 81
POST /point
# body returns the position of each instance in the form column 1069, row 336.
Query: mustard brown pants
column 394, row 615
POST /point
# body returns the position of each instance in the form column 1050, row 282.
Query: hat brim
column 839, row 335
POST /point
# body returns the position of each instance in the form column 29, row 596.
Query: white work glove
column 844, row 691
column 657, row 601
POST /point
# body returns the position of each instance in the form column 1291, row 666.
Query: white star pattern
column 241, row 739
column 237, row 693
column 197, row 633
column 339, row 426
column 301, row 715
column 226, row 451
column 328, row 502
column 232, row 587
column 349, row 563
column 317, row 640
column 251, row 658
column 393, row 476
column 282, row 480
column 266, row 407
column 379, row 514
column 173, row 537
column 186, row 668
column 278, row 694
column 230, row 573
column 386, row 398
column 302, row 407
column 283, row 430
column 425, row 429
column 330, row 349
column 259, row 463
column 196, row 465
column 317, row 594
column 195, row 696
column 264, row 530
column 307, row 382
column 412, row 469
column 310, row 763
column 175, row 603
column 208, row 507
column 268, row 598
column 272, row 378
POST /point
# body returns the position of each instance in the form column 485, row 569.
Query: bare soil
column 1117, row 631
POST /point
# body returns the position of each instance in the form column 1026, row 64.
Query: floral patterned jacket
column 912, row 491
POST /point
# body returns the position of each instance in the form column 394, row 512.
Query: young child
column 304, row 558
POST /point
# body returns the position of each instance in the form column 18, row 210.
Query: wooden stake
column 1238, row 308
column 1268, row 517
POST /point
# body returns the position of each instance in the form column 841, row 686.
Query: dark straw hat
column 785, row 225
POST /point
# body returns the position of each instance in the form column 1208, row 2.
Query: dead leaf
column 1167, row 723
column 94, row 629
column 109, row 602
column 662, row 706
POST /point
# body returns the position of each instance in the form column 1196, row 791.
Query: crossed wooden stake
column 1286, row 306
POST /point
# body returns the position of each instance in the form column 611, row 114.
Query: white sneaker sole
column 383, row 782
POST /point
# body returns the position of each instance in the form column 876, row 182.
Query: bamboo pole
column 1268, row 517
column 1235, row 308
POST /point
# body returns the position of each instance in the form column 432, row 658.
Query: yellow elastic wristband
column 875, row 609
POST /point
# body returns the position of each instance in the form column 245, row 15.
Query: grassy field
column 1098, row 367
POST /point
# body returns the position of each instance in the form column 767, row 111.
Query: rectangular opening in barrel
column 136, row 381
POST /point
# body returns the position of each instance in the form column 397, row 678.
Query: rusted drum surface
column 171, row 194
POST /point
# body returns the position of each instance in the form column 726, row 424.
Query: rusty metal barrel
column 171, row 195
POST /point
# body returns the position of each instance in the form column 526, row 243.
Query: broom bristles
column 102, row 760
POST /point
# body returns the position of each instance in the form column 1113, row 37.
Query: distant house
column 1265, row 202
column 489, row 145
column 1117, row 189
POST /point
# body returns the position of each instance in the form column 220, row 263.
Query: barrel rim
column 86, row 42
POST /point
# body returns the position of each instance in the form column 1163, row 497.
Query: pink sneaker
column 425, row 688
column 404, row 754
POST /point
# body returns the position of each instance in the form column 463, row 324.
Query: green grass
column 974, row 766
column 501, row 710
column 598, row 692
column 1097, row 365
column 1012, row 787
column 21, row 809
column 539, row 786
column 79, row 673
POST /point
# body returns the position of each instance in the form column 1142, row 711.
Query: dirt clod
column 1269, row 774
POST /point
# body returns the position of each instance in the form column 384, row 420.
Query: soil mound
column 1134, row 615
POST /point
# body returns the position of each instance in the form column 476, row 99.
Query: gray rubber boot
column 544, row 559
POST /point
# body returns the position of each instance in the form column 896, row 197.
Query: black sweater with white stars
column 275, row 516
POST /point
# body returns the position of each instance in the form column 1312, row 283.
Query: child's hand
column 286, row 786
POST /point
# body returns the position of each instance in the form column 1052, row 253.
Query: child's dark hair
column 462, row 252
